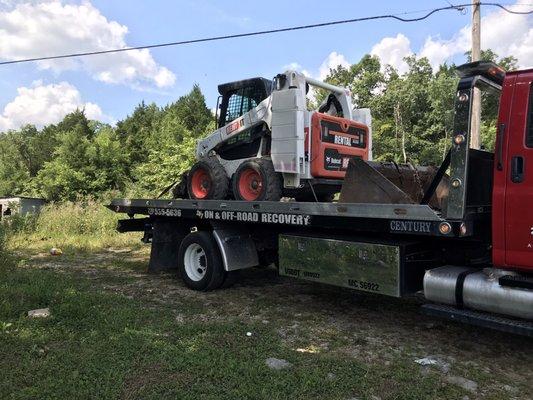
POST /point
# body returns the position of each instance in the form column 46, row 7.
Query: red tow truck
column 470, row 254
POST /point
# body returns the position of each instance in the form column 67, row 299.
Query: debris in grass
column 249, row 334
column 466, row 384
column 434, row 361
column 54, row 251
column 39, row 313
column 311, row 349
column 331, row 376
column 277, row 363
column 511, row 389
column 118, row 251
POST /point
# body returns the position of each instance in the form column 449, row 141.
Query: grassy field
column 116, row 332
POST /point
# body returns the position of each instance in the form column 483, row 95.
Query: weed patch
column 72, row 226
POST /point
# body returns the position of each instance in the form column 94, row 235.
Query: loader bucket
column 390, row 183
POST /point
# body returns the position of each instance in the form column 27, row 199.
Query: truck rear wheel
column 200, row 262
column 207, row 180
column 256, row 180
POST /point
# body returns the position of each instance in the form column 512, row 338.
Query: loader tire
column 207, row 180
column 179, row 191
column 256, row 180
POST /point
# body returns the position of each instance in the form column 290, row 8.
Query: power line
column 267, row 32
column 458, row 8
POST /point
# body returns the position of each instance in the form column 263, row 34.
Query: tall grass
column 5, row 259
column 82, row 225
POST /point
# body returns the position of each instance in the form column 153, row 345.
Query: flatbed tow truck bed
column 380, row 218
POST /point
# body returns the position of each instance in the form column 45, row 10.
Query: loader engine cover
column 334, row 141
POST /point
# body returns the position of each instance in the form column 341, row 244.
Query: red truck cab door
column 513, row 173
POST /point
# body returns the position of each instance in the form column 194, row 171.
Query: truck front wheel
column 200, row 262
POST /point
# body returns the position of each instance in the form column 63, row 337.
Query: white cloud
column 294, row 66
column 437, row 50
column 392, row 51
column 46, row 104
column 332, row 61
column 40, row 29
column 506, row 34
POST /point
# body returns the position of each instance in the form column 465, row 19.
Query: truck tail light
column 445, row 228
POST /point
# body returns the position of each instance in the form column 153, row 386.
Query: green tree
column 85, row 162
column 192, row 111
column 14, row 177
column 172, row 157
column 135, row 130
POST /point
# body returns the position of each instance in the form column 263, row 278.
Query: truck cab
column 512, row 196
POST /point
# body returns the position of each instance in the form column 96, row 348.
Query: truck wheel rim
column 200, row 184
column 250, row 184
column 195, row 262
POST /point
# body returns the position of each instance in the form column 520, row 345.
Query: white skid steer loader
column 269, row 145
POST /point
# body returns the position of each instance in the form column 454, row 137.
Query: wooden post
column 475, row 141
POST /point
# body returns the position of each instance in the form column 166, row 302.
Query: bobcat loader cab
column 269, row 145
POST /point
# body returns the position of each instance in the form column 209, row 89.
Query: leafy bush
column 81, row 225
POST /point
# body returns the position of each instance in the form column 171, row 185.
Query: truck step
column 481, row 319
column 523, row 282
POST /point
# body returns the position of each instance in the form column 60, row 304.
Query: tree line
column 148, row 150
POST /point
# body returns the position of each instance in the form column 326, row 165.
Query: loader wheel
column 179, row 191
column 200, row 262
column 256, row 180
column 207, row 179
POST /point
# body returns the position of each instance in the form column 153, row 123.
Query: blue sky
column 110, row 86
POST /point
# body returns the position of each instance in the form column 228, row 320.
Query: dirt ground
column 319, row 318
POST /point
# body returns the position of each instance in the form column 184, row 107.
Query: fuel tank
column 478, row 290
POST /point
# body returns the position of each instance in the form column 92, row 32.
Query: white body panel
column 285, row 114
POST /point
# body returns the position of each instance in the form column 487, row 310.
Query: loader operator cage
column 237, row 98
column 471, row 192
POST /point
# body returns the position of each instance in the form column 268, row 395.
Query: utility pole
column 475, row 122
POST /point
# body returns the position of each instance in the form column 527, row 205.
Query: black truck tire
column 200, row 263
column 207, row 180
column 256, row 180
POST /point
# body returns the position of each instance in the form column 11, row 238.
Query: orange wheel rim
column 250, row 184
column 200, row 184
